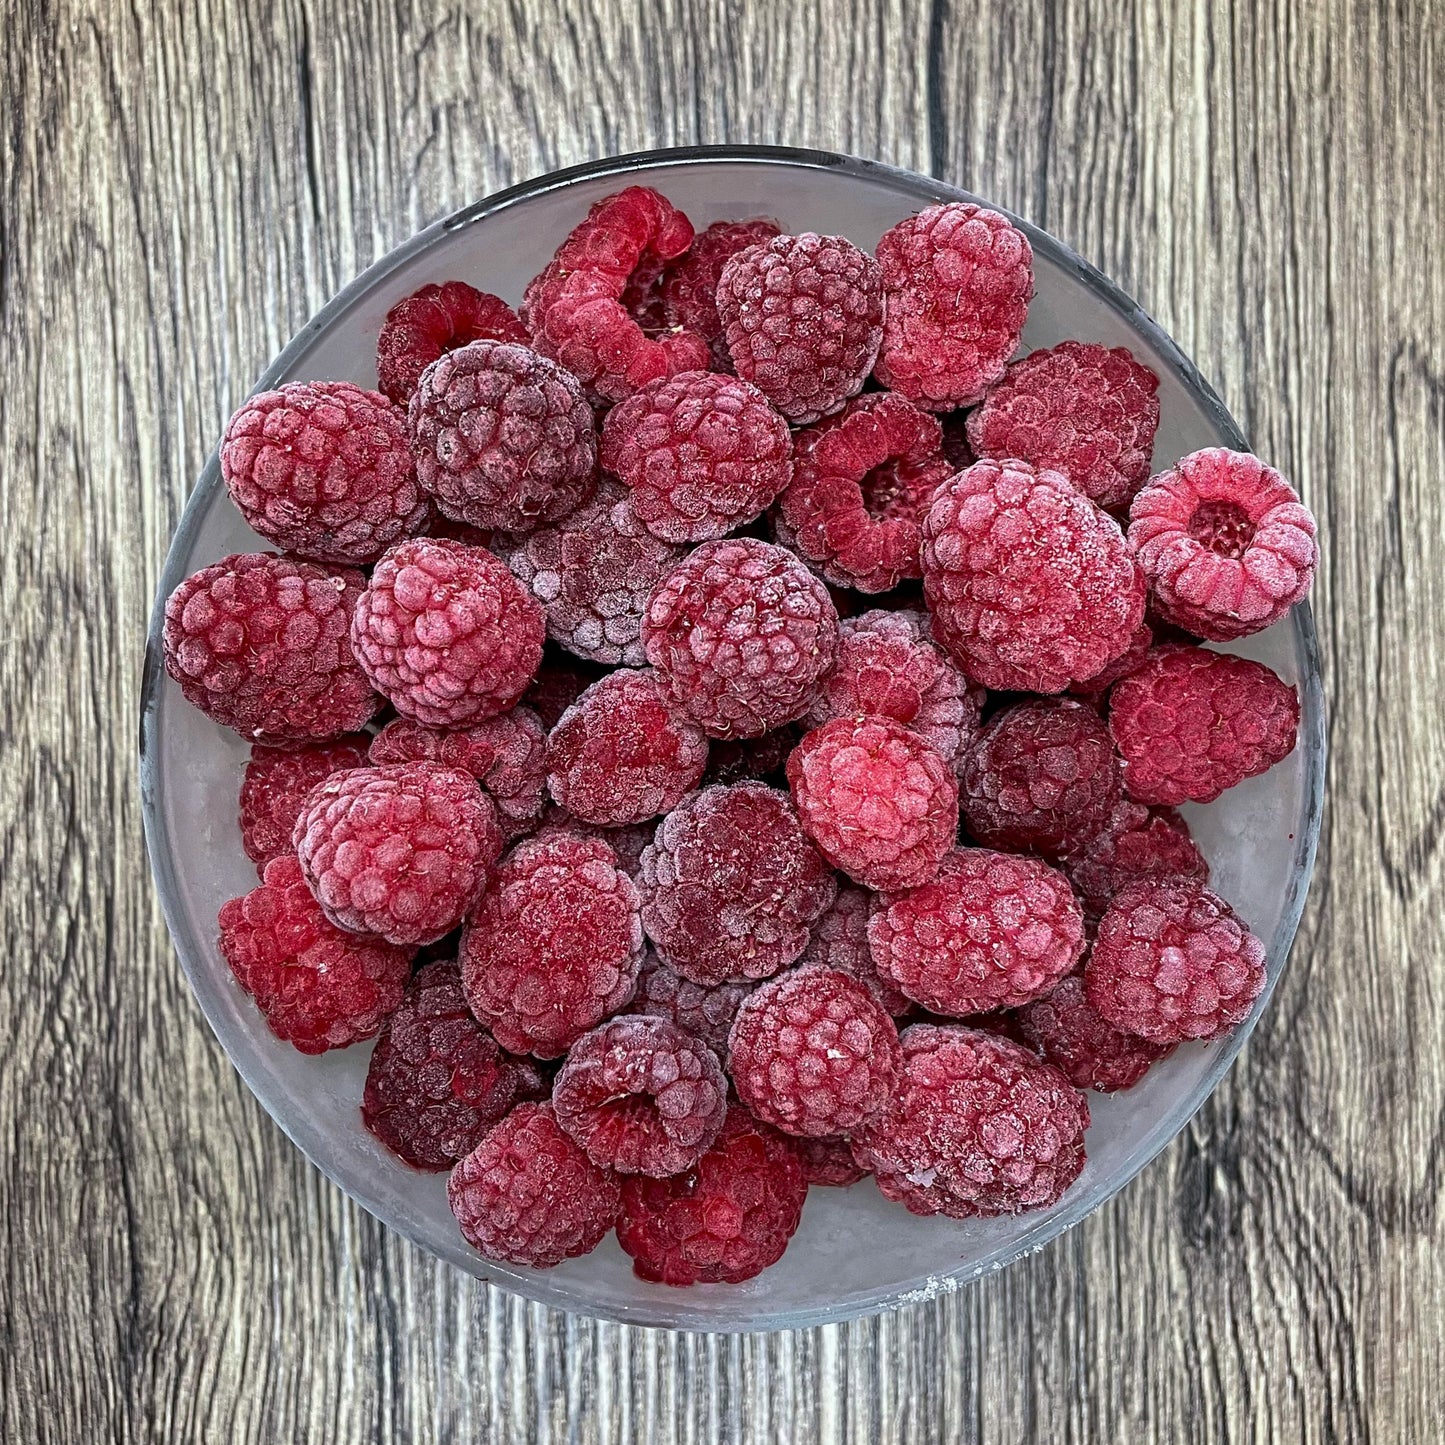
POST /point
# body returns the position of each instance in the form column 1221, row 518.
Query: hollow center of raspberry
column 1222, row 526
column 895, row 488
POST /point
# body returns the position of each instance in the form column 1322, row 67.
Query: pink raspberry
column 840, row 941
column 1191, row 723
column 556, row 687
column 1137, row 844
column 688, row 292
column 1225, row 544
column 829, row 1163
column 736, row 760
column 425, row 326
column 275, row 785
column 447, row 633
column 802, row 317
column 730, row 885
column 740, row 633
column 880, row 803
column 1031, row 586
column 706, row 1013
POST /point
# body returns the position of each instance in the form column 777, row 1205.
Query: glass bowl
column 854, row 1252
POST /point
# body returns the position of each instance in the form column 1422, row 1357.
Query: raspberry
column 1138, row 843
column 275, row 785
column 626, row 841
column 574, row 308
column 730, row 885
column 556, row 687
column 993, row 931
column 689, row 286
column 437, row 1080
column 1095, row 688
column 433, row 321
column 740, row 632
column 262, row 644
column 641, row 1096
column 879, row 802
column 802, row 317
column 554, row 946
column 840, row 941
column 447, row 633
column 399, row 852
column 705, row 1013
column 503, row 437
column 1030, row 585
column 318, row 988
column 1087, row 1051
column 735, row 760
column 700, row 453
column 528, row 1194
column 592, row 573
column 1172, row 962
column 958, row 279
column 723, row 1221
column 1190, row 723
column 1088, row 412
column 829, row 1162
column 621, row 755
column 814, row 1053
column 1225, row 544
column 977, row 1127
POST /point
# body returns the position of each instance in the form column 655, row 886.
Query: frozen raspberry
column 977, row 1127
column 556, row 687
column 735, row 760
column 554, row 946
column 592, row 573
column 275, row 785
column 723, row 1221
column 1173, row 962
column 641, row 1096
column 688, row 292
column 437, row 1080
column 1095, row 688
column 1138, row 843
column 814, row 1053
column 829, row 1162
column 1087, row 1051
column 840, row 941
column 1086, row 411
column 507, row 755
column 700, row 453
column 740, row 632
column 879, row 802
column 429, row 323
column 575, row 309
column 958, row 281
column 621, row 755
column 447, row 633
column 528, row 1194
column 626, row 841
column 802, row 317
column 318, row 988
column 1225, row 544
column 730, row 884
column 398, row 852
column 706, row 1013
column 992, row 931
column 1190, row 723
column 1031, row 586
column 503, row 437
column 262, row 644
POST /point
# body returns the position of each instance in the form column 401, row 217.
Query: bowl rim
column 537, row 1285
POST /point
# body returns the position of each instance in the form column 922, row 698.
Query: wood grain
column 182, row 184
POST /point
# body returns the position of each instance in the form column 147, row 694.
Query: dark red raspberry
column 1031, row 586
column 1089, row 1052
column 528, row 1194
column 440, row 525
column 1225, row 544
column 700, row 453
column 556, row 687
column 275, row 785
column 1094, row 689
column 641, row 1096
column 802, row 317
column 958, row 279
column 706, row 1013
column 1190, row 723
column 503, row 437
column 400, row 852
column 447, row 633
column 554, row 945
column 1138, row 843
column 1173, row 962
column 433, row 321
column 814, row 1053
column 730, row 885
column 879, row 802
column 621, row 755
column 318, row 988
column 992, row 931
column 723, row 1221
column 262, row 644
column 829, row 1162
column 1087, row 411
column 688, row 292
column 735, row 760
column 740, row 632
column 840, row 941
column 977, row 1127
column 437, row 1080
column 575, row 309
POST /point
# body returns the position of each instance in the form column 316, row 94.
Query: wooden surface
column 182, row 184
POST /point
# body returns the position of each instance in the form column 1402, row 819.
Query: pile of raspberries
column 720, row 729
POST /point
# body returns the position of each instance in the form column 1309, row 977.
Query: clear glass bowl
column 855, row 1252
